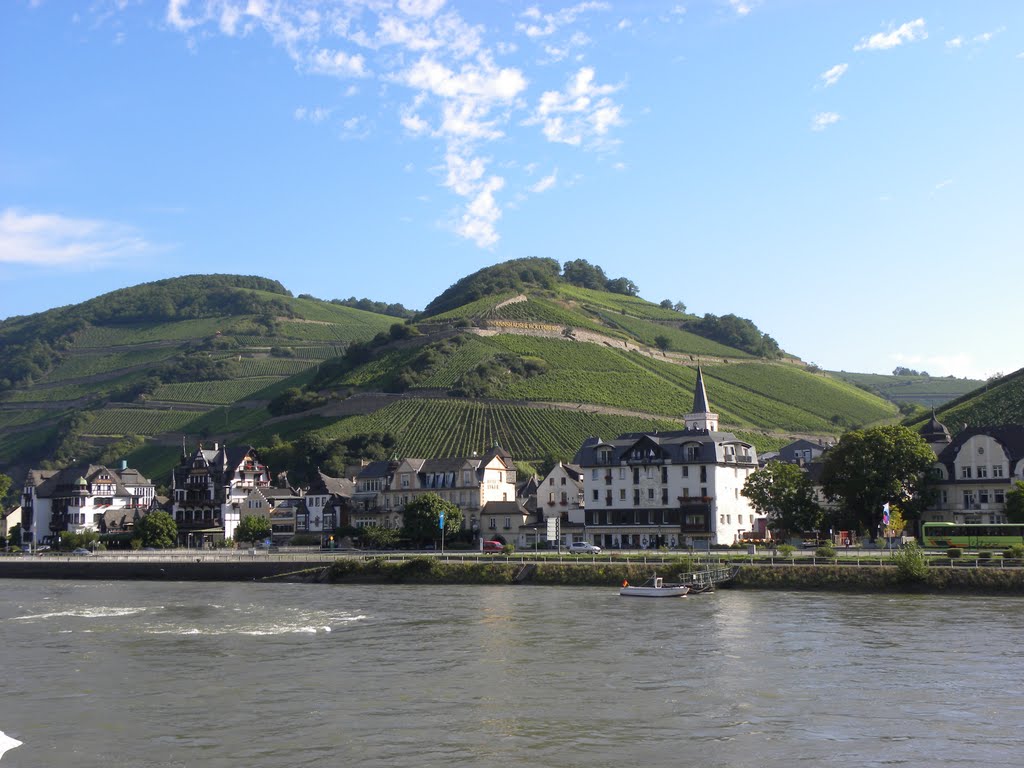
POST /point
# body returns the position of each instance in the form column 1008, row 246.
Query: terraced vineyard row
column 76, row 366
column 459, row 428
column 271, row 366
column 68, row 391
column 103, row 337
column 138, row 421
column 678, row 340
column 213, row 392
column 21, row 418
column 542, row 311
column 472, row 352
column 818, row 395
column 617, row 302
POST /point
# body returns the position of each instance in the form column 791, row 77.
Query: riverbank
column 433, row 570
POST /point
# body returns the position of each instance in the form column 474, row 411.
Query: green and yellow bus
column 971, row 535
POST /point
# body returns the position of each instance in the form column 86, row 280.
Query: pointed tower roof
column 700, row 395
column 701, row 418
column 935, row 431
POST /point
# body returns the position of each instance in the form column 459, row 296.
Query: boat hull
column 671, row 591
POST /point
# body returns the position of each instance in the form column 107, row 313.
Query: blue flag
column 885, row 514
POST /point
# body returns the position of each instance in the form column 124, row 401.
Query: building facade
column 673, row 489
column 973, row 471
column 210, row 488
column 80, row 499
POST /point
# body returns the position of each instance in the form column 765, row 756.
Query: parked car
column 493, row 546
column 81, row 551
column 583, row 548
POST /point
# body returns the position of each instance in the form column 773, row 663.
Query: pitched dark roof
column 1010, row 436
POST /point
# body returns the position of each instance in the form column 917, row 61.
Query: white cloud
column 584, row 110
column 424, row 8
column 823, row 120
column 831, row 76
column 956, row 42
column 336, row 63
column 312, row 115
column 624, row 24
column 52, row 240
column 545, row 184
column 943, row 184
column 457, row 92
column 743, row 7
column 478, row 220
column 905, row 33
column 545, row 25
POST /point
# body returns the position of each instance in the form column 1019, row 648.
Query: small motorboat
column 655, row 587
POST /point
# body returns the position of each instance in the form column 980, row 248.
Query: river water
column 148, row 674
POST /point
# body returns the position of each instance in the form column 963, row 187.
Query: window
column 650, row 493
column 508, row 523
column 551, row 481
column 965, row 473
column 983, row 496
column 597, row 494
column 622, row 494
column 664, row 495
column 686, row 493
column 686, row 471
column 982, row 470
column 562, row 481
column 593, row 474
column 997, row 470
column 564, row 498
column 739, row 519
column 492, row 524
column 999, row 497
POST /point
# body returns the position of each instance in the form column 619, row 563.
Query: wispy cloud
column 743, row 7
column 52, row 240
column 823, row 120
column 894, row 36
column 451, row 86
column 984, row 38
column 943, row 184
column 312, row 114
column 546, row 183
column 831, row 76
column 539, row 24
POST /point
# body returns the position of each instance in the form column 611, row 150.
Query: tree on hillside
column 422, row 518
column 872, row 467
column 5, row 486
column 1015, row 503
column 252, row 529
column 785, row 494
column 157, row 529
column 661, row 341
column 584, row 274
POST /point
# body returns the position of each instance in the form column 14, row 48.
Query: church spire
column 701, row 418
column 700, row 394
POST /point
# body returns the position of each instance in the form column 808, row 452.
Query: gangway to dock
column 704, row 580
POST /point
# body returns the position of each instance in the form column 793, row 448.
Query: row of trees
column 864, row 471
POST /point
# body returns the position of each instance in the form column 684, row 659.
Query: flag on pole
column 885, row 514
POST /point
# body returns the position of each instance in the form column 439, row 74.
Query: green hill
column 923, row 390
column 517, row 354
column 993, row 404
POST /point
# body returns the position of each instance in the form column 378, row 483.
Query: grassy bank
column 427, row 570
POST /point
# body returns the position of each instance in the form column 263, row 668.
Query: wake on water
column 6, row 742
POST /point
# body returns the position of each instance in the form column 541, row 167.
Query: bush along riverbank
column 837, row 578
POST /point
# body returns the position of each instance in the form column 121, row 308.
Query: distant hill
column 923, row 390
column 993, row 404
column 515, row 354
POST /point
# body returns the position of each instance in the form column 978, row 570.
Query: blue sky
column 845, row 174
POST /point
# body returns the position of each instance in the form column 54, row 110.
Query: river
column 167, row 675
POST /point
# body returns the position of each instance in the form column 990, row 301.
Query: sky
column 845, row 173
